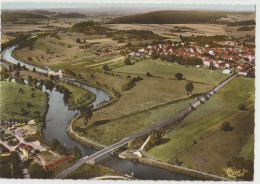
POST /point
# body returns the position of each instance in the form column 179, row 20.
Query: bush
column 78, row 40
column 148, row 74
column 105, row 67
column 127, row 86
column 226, row 126
column 178, row 76
column 242, row 107
column 127, row 61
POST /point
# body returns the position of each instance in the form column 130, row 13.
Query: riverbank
column 82, row 140
column 198, row 175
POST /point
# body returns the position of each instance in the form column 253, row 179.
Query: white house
column 226, row 71
column 243, row 72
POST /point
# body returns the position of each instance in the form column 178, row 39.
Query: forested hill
column 174, row 17
column 14, row 16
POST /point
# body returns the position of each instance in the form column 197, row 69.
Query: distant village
column 241, row 60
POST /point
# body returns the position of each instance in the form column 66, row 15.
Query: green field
column 247, row 151
column 79, row 95
column 168, row 70
column 207, row 117
column 44, row 47
column 76, row 65
column 86, row 53
column 126, row 125
column 59, row 42
column 13, row 101
column 88, row 171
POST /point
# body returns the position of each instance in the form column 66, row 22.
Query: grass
column 59, row 42
column 12, row 101
column 122, row 126
column 57, row 169
column 44, row 47
column 247, row 151
column 212, row 151
column 205, row 118
column 88, row 171
column 87, row 53
column 155, row 96
column 79, row 95
column 168, row 70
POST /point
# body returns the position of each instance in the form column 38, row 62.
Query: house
column 27, row 150
column 226, row 71
column 31, row 122
column 141, row 50
column 230, row 64
column 57, row 162
column 132, row 53
column 207, row 61
column 243, row 72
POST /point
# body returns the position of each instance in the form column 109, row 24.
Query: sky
column 46, row 5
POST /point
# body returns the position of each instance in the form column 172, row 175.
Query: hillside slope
column 14, row 16
column 175, row 17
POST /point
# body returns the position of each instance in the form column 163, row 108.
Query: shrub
column 225, row 126
column 127, row 61
column 178, row 76
column 148, row 74
column 242, row 107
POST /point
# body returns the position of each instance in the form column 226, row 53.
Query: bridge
column 194, row 105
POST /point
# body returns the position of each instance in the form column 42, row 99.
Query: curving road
column 112, row 147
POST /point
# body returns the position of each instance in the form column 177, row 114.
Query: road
column 162, row 124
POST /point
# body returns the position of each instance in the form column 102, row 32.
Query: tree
column 86, row 111
column 105, row 67
column 148, row 74
column 76, row 153
column 78, row 40
column 24, row 67
column 242, row 107
column 61, row 149
column 154, row 55
column 19, row 80
column 178, row 76
column 17, row 73
column 53, row 143
column 51, row 77
column 128, row 44
column 127, row 61
column 18, row 66
column 34, row 82
column 29, row 80
column 225, row 126
column 37, row 171
column 189, row 87
column 15, row 161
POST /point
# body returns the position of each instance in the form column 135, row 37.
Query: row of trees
column 178, row 59
column 55, row 145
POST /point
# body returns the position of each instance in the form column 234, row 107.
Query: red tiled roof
column 56, row 162
column 243, row 70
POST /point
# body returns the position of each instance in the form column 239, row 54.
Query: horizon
column 67, row 5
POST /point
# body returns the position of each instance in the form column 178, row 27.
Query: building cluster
column 26, row 150
column 242, row 59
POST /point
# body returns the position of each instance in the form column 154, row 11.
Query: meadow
column 197, row 137
column 15, row 97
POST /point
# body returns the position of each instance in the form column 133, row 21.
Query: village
column 232, row 59
column 14, row 137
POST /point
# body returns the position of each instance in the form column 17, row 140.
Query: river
column 59, row 115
